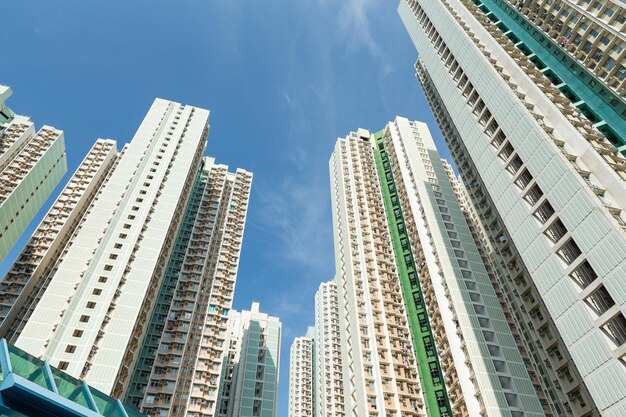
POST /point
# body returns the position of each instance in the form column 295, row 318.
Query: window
column 118, row 246
column 569, row 251
column 123, row 235
column 600, row 300
column 84, row 319
column 533, row 195
column 609, row 64
column 544, row 212
column 108, row 267
column 103, row 280
column 97, row 291
column 77, row 333
column 113, row 256
column 91, row 304
column 615, row 329
column 583, row 275
column 555, row 231
column 523, row 179
column 63, row 365
column 70, row 349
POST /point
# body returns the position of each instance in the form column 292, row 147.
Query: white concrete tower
column 328, row 368
column 92, row 315
column 535, row 131
column 301, row 377
column 379, row 367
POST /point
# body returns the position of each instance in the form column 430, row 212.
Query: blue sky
column 283, row 79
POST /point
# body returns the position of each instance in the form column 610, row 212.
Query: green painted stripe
column 431, row 377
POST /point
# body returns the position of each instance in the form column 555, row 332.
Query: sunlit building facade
column 183, row 353
column 438, row 282
column 302, row 376
column 539, row 158
column 380, row 373
column 30, row 274
column 31, row 165
column 93, row 289
column 328, row 369
column 249, row 382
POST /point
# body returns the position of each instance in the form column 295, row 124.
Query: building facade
column 546, row 182
column 484, row 369
column 249, row 382
column 90, row 316
column 302, row 377
column 380, row 372
column 328, row 369
column 439, row 282
column 180, row 365
column 31, row 165
column 28, row 278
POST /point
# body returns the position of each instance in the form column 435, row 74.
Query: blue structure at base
column 30, row 387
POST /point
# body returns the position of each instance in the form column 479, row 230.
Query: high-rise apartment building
column 31, row 165
column 86, row 290
column 328, row 370
column 581, row 46
column 485, row 372
column 28, row 278
column 183, row 352
column 537, row 155
column 302, row 376
column 448, row 316
column 380, row 372
column 249, row 382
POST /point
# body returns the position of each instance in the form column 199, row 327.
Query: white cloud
column 354, row 24
column 296, row 214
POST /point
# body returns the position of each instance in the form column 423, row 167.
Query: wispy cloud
column 354, row 23
column 296, row 214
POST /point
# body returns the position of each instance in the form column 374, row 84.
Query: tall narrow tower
column 328, row 379
column 535, row 129
column 183, row 353
column 302, row 376
column 31, row 165
column 91, row 315
column 535, row 151
column 380, row 373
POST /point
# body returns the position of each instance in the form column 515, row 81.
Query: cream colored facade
column 591, row 31
column 301, row 377
column 379, row 368
column 328, row 388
